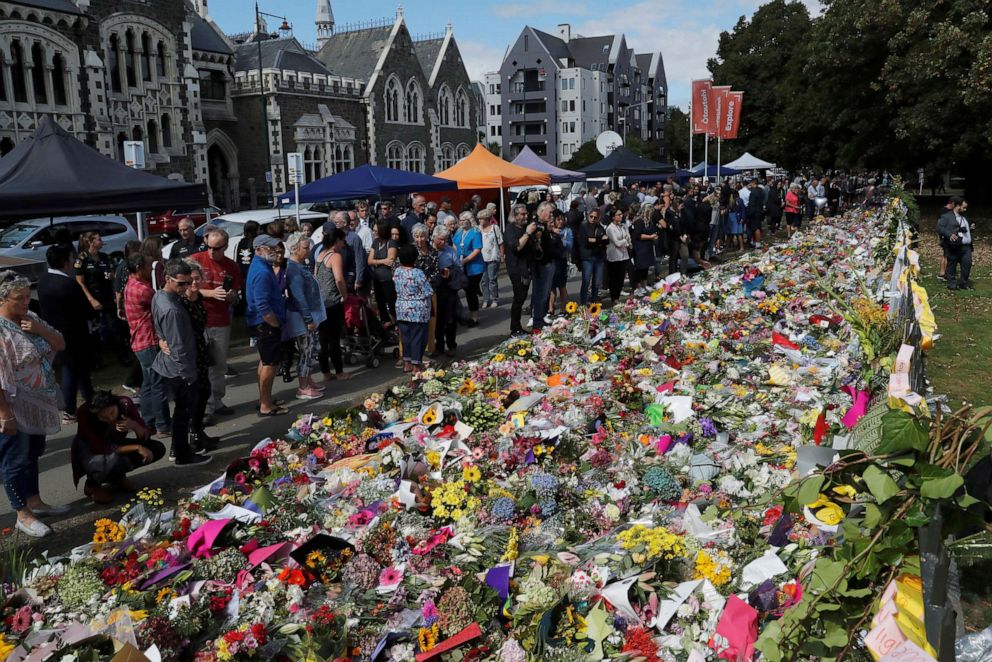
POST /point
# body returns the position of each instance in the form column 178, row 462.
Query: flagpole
column 706, row 156
column 719, row 141
column 690, row 136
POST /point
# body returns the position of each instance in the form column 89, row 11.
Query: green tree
column 586, row 154
column 495, row 147
column 762, row 58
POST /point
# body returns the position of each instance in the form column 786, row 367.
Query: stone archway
column 223, row 178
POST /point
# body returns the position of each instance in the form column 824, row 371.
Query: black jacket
column 64, row 306
column 586, row 250
column 756, row 203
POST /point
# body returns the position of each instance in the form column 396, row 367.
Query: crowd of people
column 306, row 293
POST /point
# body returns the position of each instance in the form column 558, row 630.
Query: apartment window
column 571, row 83
column 564, row 106
column 498, row 85
column 564, row 127
column 571, row 106
column 492, row 131
column 564, row 84
column 571, row 127
column 583, row 105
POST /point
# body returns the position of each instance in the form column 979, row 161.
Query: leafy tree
column 761, row 57
column 677, row 136
column 495, row 147
column 587, row 154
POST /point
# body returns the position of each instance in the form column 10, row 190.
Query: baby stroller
column 365, row 336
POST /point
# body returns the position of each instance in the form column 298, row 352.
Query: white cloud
column 480, row 58
column 539, row 7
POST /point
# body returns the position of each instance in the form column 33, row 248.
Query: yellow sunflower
column 595, row 309
column 571, row 307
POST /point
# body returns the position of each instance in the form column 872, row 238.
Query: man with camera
column 955, row 237
column 221, row 290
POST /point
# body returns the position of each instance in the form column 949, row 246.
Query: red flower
column 772, row 515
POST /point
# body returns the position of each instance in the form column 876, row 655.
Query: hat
column 264, row 240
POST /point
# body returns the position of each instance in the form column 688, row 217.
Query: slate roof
column 427, row 52
column 591, row 50
column 286, row 54
column 67, row 6
column 354, row 54
column 203, row 36
column 557, row 48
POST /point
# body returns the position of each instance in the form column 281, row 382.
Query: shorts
column 268, row 343
column 754, row 222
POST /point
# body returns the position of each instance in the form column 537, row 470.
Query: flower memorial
column 726, row 467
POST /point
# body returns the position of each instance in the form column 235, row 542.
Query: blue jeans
column 414, row 336
column 592, row 276
column 490, row 282
column 543, row 275
column 154, row 397
column 19, row 455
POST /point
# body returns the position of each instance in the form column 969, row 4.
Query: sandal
column 68, row 419
column 277, row 403
column 278, row 411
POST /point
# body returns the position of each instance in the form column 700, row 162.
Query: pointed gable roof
column 285, row 54
column 205, row 36
column 428, row 52
column 555, row 47
column 356, row 53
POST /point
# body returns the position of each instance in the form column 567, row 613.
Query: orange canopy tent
column 483, row 169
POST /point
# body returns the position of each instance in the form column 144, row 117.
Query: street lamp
column 261, row 92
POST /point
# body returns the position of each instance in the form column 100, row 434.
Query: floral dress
column 413, row 295
column 27, row 378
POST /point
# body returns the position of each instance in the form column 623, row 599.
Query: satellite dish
column 608, row 141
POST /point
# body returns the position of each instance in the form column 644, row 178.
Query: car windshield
column 232, row 229
column 13, row 236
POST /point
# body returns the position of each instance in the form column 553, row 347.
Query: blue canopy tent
column 681, row 176
column 711, row 171
column 367, row 181
column 528, row 159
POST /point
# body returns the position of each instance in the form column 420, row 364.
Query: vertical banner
column 718, row 102
column 702, row 110
column 732, row 116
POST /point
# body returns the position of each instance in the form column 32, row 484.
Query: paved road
column 238, row 432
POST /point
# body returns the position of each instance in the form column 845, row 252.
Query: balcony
column 531, row 90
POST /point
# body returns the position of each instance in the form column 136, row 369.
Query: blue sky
column 686, row 33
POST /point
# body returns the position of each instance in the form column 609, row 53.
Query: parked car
column 30, row 239
column 234, row 225
column 167, row 223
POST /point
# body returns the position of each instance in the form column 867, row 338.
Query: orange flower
column 293, row 576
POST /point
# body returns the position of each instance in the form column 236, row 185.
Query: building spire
column 325, row 22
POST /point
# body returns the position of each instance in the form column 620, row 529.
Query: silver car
column 30, row 239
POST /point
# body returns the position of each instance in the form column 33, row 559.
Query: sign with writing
column 295, row 163
column 134, row 154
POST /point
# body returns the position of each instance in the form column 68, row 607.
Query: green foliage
column 901, row 432
column 587, row 154
column 677, row 136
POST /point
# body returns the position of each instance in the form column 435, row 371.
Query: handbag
column 457, row 280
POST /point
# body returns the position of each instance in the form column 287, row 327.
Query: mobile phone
column 228, row 282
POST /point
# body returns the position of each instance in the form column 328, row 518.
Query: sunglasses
column 181, row 283
column 217, row 248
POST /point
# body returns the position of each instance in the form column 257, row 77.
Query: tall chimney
column 565, row 31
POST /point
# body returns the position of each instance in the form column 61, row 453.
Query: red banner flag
column 731, row 119
column 702, row 109
column 718, row 101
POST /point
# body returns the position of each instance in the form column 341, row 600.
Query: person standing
column 520, row 257
column 617, row 254
column 948, row 212
column 329, row 272
column 245, row 252
column 444, row 211
column 95, row 274
column 304, row 313
column 755, row 212
column 544, row 266
column 559, row 282
column 793, row 210
column 219, row 291
column 364, row 224
column 381, row 259
column 64, row 307
column 177, row 366
column 138, row 295
column 446, row 329
column 29, row 399
column 192, row 298
column 413, row 307
column 591, row 241
column 492, row 257
column 678, row 238
column 427, row 262
column 468, row 246
column 644, row 236
column 132, row 382
column 811, row 195
column 189, row 244
column 265, row 315
column 414, row 216
column 955, row 232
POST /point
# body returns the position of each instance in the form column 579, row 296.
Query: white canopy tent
column 749, row 162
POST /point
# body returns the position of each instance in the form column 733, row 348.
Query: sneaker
column 193, row 460
column 230, row 373
column 172, row 454
column 52, row 511
column 529, row 323
column 36, row 529
column 548, row 319
column 307, row 394
column 130, row 389
column 253, row 341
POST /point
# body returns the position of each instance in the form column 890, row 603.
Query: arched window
column 152, row 137
column 415, row 157
column 462, row 151
column 444, row 105
column 146, row 57
column 17, row 72
column 121, row 138
column 412, row 105
column 137, row 134
column 114, row 63
column 392, row 100
column 447, row 156
column 166, row 130
column 38, row 73
column 160, row 61
column 461, row 108
column 58, row 80
column 395, row 156
column 129, row 59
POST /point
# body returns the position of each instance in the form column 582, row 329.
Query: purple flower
column 709, row 428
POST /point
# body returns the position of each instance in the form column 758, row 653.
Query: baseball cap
column 265, row 240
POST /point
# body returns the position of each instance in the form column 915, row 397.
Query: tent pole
column 502, row 209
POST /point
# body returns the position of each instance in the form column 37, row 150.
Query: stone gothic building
column 226, row 110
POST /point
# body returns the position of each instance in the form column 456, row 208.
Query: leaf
column 873, row 515
column 901, row 432
column 917, row 516
column 826, row 572
column 966, row 500
column 835, row 637
column 880, row 484
column 809, row 489
column 941, row 488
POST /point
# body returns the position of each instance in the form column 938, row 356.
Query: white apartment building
column 582, row 109
column 492, row 105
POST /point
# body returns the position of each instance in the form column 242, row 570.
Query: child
column 413, row 307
